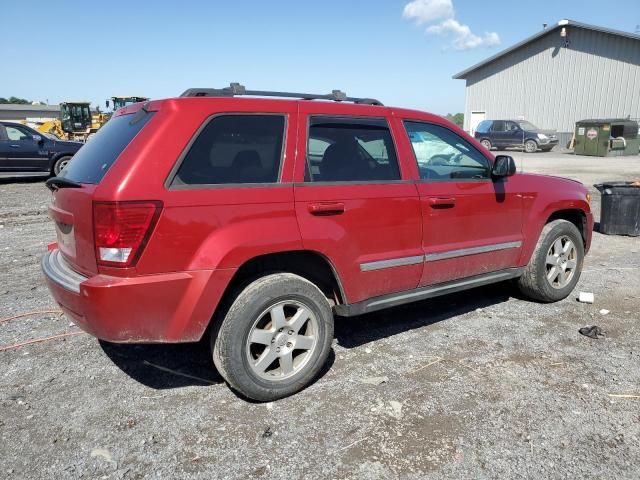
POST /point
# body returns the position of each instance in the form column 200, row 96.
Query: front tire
column 275, row 337
column 556, row 264
column 486, row 143
column 530, row 146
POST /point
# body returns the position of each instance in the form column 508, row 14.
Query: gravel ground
column 478, row 385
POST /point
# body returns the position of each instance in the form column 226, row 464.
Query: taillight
column 122, row 229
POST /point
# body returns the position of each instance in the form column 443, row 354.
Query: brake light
column 122, row 229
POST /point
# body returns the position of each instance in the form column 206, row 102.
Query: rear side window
column 498, row 126
column 234, row 149
column 94, row 159
column 483, row 126
column 342, row 149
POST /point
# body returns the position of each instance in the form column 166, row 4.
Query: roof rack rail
column 235, row 89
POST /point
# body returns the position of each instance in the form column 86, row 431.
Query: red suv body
column 177, row 205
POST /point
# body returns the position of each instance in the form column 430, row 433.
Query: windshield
column 524, row 125
column 75, row 112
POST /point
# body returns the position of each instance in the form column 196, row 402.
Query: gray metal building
column 564, row 73
column 12, row 111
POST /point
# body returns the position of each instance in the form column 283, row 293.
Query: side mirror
column 37, row 138
column 504, row 166
column 106, row 104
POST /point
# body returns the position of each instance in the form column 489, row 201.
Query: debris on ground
column 592, row 331
column 396, row 407
column 604, row 311
column 267, row 433
column 586, row 297
column 375, row 380
column 101, row 453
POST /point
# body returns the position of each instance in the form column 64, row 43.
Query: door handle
column 442, row 202
column 320, row 209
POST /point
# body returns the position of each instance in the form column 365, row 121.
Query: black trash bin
column 619, row 208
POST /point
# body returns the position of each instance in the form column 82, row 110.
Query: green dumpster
column 612, row 137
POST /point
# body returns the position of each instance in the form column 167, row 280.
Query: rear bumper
column 172, row 307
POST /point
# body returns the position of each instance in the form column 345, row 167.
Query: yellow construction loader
column 75, row 122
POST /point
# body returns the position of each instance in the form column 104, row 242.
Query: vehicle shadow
column 165, row 366
column 168, row 366
column 7, row 178
column 357, row 331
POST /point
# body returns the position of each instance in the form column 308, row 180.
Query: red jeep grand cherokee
column 256, row 219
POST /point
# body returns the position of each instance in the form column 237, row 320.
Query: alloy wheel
column 282, row 340
column 562, row 261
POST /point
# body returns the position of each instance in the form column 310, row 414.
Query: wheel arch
column 57, row 156
column 575, row 216
column 309, row 264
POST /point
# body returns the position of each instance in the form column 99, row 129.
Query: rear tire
column 60, row 164
column 486, row 143
column 275, row 338
column 556, row 264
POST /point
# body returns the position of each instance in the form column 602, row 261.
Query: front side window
column 443, row 155
column 528, row 126
column 235, row 149
column 17, row 133
column 344, row 149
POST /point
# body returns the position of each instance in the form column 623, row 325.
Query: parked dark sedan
column 514, row 133
column 23, row 149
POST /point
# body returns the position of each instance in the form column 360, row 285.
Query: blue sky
column 405, row 56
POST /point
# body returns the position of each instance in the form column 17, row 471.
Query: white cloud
column 427, row 11
column 462, row 36
column 440, row 16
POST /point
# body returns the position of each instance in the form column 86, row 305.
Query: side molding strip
column 463, row 252
column 432, row 257
column 394, row 262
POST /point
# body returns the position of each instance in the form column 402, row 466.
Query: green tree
column 457, row 118
column 15, row 100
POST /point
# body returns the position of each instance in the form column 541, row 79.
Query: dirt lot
column 480, row 385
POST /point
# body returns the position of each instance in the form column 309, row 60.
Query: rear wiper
column 56, row 183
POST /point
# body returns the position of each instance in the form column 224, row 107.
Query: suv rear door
column 498, row 134
column 353, row 201
column 472, row 225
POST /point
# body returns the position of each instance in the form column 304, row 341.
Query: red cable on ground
column 39, row 340
column 28, row 314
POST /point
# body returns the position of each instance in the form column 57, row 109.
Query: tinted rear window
column 235, row 149
column 94, row 159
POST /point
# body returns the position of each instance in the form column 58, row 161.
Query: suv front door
column 354, row 207
column 472, row 225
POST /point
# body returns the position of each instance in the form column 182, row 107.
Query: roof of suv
column 235, row 89
column 336, row 100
